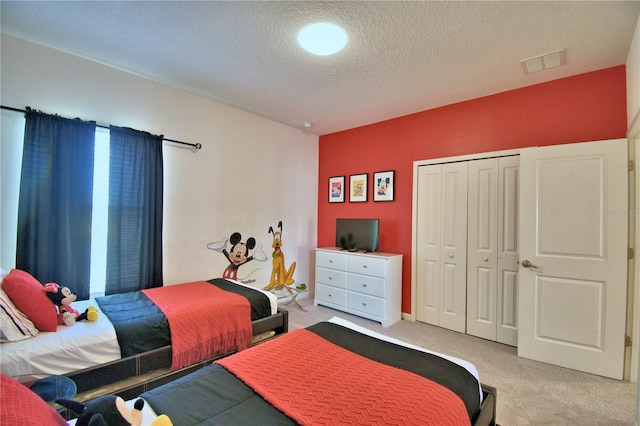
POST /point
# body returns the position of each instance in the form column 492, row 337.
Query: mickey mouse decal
column 238, row 255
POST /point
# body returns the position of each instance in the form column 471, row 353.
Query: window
column 100, row 213
column 12, row 126
column 10, row 161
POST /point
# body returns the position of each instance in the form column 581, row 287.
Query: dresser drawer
column 331, row 260
column 367, row 265
column 331, row 277
column 367, row 304
column 366, row 284
column 331, row 295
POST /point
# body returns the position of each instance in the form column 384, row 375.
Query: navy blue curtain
column 134, row 242
column 56, row 198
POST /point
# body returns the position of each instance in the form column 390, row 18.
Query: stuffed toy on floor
column 110, row 410
column 62, row 297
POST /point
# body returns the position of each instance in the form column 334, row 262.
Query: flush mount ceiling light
column 322, row 39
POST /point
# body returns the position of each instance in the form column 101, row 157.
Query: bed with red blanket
column 329, row 373
column 198, row 319
column 166, row 332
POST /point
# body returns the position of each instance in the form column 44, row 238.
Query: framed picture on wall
column 358, row 188
column 383, row 186
column 336, row 189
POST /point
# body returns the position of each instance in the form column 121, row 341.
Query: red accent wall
column 582, row 108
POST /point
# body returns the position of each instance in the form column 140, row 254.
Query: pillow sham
column 20, row 406
column 14, row 325
column 27, row 294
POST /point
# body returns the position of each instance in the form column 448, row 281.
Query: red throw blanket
column 314, row 381
column 203, row 319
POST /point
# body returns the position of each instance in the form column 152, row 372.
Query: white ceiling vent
column 543, row 62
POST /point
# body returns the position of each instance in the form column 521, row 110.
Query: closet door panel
column 507, row 331
column 482, row 248
column 428, row 244
column 454, row 246
column 508, row 250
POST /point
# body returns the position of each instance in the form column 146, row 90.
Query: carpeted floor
column 529, row 392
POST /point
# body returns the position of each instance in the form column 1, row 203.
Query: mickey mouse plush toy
column 62, row 297
column 111, row 410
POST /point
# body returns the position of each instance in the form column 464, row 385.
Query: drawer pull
column 330, row 278
column 330, row 261
column 364, row 285
column 364, row 266
column 364, row 304
column 329, row 294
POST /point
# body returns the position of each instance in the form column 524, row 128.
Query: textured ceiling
column 402, row 57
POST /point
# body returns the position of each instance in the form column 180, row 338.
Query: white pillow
column 14, row 325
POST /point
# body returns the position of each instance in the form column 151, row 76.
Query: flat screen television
column 357, row 234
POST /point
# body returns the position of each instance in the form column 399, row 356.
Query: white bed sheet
column 83, row 345
column 273, row 299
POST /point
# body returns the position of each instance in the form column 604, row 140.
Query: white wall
column 633, row 78
column 250, row 173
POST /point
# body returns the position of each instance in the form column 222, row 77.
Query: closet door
column 482, row 266
column 453, row 292
column 428, row 244
column 441, row 245
column 508, row 250
column 492, row 271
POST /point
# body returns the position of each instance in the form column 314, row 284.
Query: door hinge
column 632, row 165
column 630, row 252
column 627, row 341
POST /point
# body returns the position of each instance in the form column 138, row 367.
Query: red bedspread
column 315, row 382
column 203, row 319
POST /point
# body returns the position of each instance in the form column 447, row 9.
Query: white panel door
column 428, row 238
column 441, row 245
column 482, row 252
column 508, row 246
column 573, row 256
column 453, row 294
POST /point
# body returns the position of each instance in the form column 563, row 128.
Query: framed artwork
column 383, row 186
column 358, row 188
column 336, row 189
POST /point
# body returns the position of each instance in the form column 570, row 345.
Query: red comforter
column 203, row 319
column 315, row 382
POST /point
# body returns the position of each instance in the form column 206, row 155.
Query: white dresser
column 364, row 284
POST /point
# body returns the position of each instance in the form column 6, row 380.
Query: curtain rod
column 195, row 145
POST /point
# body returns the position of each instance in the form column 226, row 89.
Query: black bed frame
column 487, row 414
column 129, row 377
